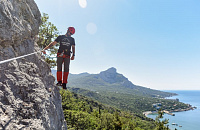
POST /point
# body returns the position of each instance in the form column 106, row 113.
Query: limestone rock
column 25, row 99
column 109, row 75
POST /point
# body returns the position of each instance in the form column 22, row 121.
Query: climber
column 66, row 43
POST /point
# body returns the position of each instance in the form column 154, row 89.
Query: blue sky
column 153, row 43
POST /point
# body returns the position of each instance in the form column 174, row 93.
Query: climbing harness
column 15, row 58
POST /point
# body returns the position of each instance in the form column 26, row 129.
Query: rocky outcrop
column 109, row 75
column 28, row 97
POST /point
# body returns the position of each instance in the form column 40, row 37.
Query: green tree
column 47, row 33
column 117, row 121
column 82, row 113
column 106, row 122
column 160, row 125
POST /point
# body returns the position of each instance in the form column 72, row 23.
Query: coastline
column 190, row 107
column 185, row 119
column 146, row 113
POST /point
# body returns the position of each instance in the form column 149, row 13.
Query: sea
column 187, row 120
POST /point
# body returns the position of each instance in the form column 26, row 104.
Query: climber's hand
column 43, row 51
column 72, row 58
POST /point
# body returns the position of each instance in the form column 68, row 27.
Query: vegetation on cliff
column 47, row 33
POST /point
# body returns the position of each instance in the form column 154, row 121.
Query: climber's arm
column 73, row 52
column 49, row 46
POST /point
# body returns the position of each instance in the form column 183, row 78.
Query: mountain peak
column 111, row 70
column 109, row 75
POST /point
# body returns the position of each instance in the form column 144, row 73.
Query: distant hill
column 111, row 81
column 73, row 76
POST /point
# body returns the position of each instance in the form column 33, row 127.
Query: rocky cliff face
column 26, row 101
column 109, row 75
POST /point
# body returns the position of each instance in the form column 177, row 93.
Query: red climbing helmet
column 71, row 30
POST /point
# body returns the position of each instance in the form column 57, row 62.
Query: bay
column 189, row 120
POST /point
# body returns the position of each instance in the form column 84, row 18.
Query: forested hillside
column 130, row 102
column 84, row 113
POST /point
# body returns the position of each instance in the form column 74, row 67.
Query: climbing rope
column 4, row 61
